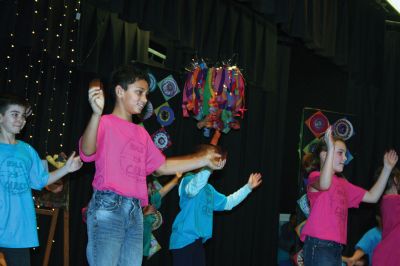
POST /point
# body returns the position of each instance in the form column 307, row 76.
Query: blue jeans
column 318, row 252
column 115, row 230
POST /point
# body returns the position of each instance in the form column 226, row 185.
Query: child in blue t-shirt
column 198, row 200
column 21, row 170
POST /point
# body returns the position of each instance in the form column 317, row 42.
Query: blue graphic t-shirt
column 195, row 219
column 20, row 171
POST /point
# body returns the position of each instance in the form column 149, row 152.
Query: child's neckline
column 15, row 143
column 120, row 118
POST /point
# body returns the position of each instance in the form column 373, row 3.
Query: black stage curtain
column 110, row 33
column 213, row 30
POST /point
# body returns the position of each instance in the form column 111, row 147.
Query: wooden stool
column 54, row 215
column 2, row 260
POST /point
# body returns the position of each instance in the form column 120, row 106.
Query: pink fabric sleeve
column 355, row 194
column 84, row 157
column 313, row 177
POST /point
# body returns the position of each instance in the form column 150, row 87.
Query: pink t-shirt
column 125, row 155
column 329, row 209
column 388, row 250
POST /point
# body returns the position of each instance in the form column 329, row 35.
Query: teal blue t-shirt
column 20, row 171
column 195, row 220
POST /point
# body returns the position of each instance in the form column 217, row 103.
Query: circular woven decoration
column 343, row 129
column 169, row 87
column 318, row 124
column 148, row 112
column 158, row 220
column 153, row 82
column 165, row 115
column 161, row 139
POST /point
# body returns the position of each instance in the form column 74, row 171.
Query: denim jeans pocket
column 107, row 200
column 322, row 252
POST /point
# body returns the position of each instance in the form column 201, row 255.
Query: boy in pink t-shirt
column 124, row 155
column 330, row 197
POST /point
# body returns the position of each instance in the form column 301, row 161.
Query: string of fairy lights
column 47, row 76
column 53, row 82
column 41, row 71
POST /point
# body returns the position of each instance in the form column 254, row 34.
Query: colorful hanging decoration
column 318, row 123
column 165, row 115
column 349, row 157
column 161, row 139
column 310, row 147
column 343, row 128
column 153, row 82
column 169, row 88
column 215, row 97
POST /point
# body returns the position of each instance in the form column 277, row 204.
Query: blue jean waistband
column 115, row 196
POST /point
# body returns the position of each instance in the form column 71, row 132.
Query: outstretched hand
column 217, row 163
column 254, row 180
column 390, row 159
column 73, row 163
column 349, row 261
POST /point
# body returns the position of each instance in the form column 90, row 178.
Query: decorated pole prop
column 215, row 97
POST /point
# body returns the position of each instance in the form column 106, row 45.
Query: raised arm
column 89, row 138
column 170, row 185
column 325, row 180
column 73, row 164
column 389, row 161
column 234, row 199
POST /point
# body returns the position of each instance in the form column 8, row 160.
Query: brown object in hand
column 96, row 83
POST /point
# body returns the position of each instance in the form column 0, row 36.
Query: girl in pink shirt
column 387, row 251
column 330, row 196
column 124, row 154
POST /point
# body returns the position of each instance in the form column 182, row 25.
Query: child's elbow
column 162, row 170
column 324, row 186
column 87, row 150
column 370, row 198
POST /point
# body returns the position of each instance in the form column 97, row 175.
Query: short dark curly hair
column 125, row 75
column 7, row 99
